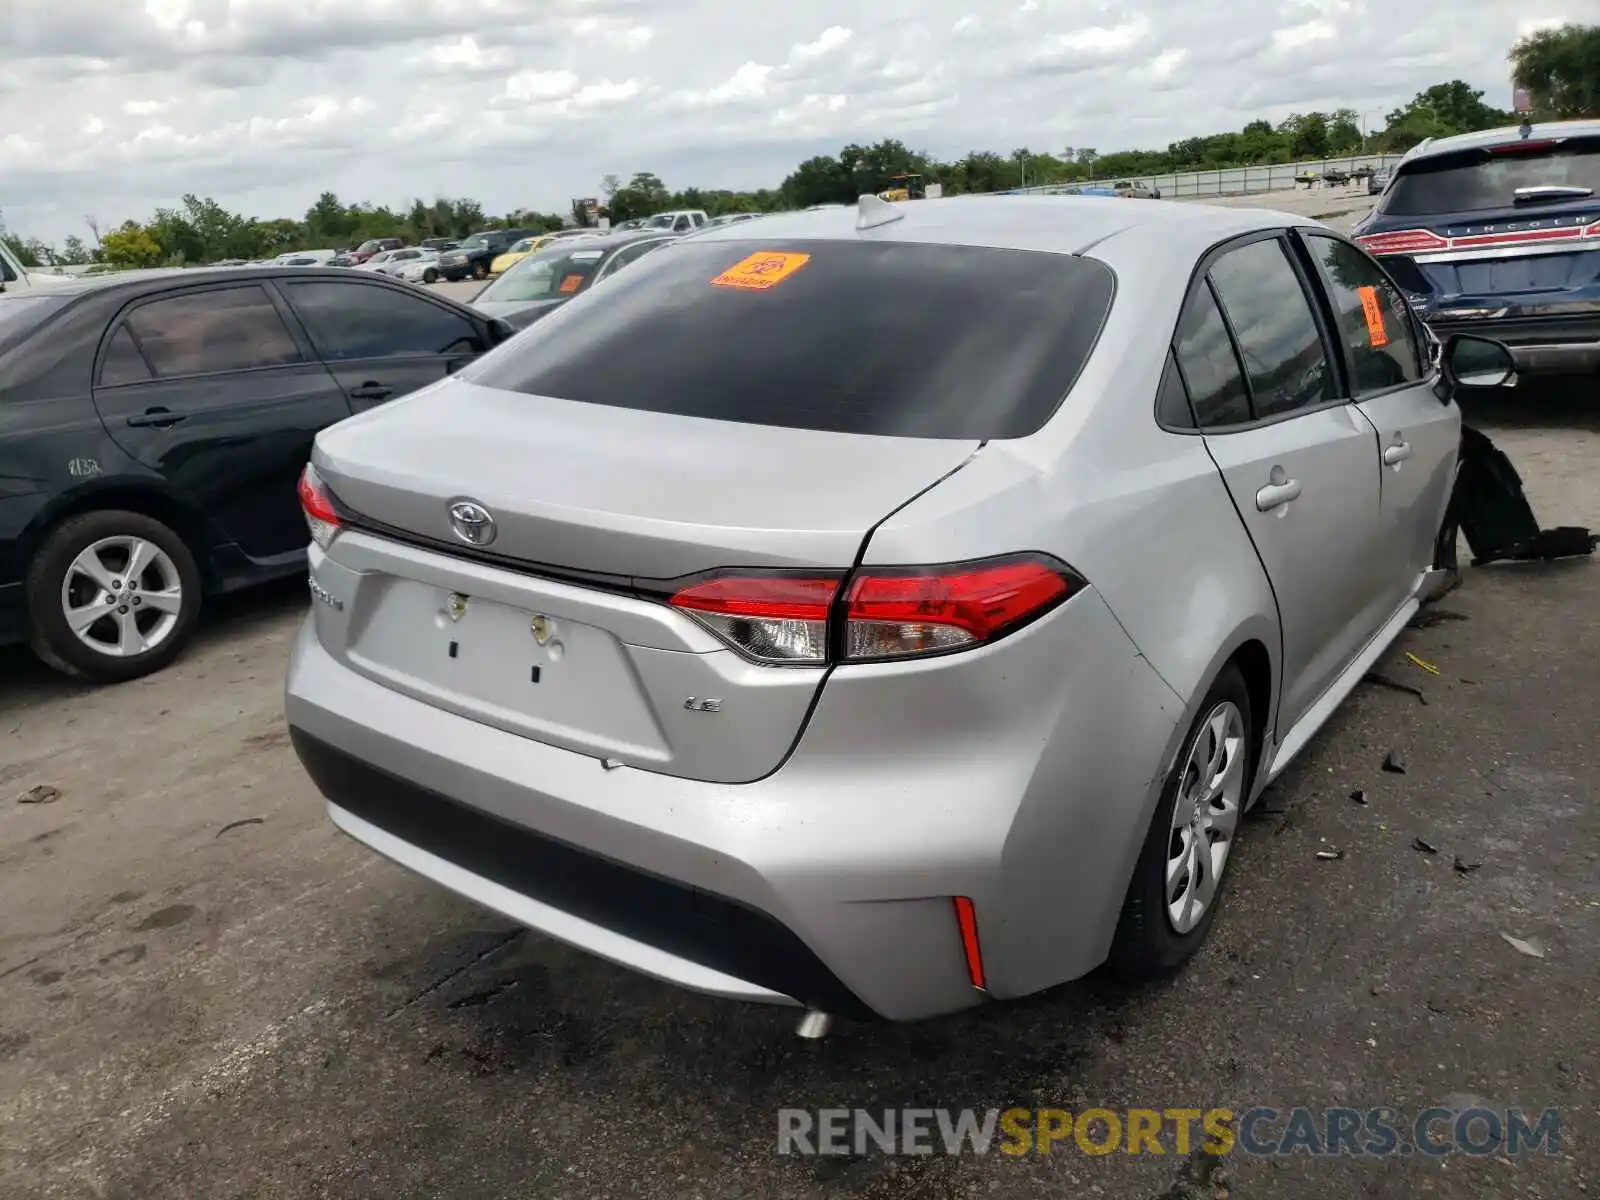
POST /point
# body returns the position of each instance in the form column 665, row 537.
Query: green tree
column 819, row 180
column 131, row 245
column 73, row 252
column 30, row 252
column 1561, row 70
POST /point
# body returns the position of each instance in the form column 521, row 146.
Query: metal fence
column 1237, row 181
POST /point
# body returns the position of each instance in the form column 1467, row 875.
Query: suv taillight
column 1402, row 241
column 882, row 613
column 321, row 517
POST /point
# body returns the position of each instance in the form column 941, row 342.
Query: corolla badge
column 472, row 522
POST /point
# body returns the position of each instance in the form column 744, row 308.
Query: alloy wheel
column 122, row 596
column 1205, row 816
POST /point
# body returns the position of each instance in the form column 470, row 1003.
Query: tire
column 480, row 270
column 106, row 651
column 430, row 276
column 1150, row 940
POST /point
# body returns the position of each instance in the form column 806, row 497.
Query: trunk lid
column 555, row 629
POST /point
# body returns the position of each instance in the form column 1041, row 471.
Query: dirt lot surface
column 206, row 992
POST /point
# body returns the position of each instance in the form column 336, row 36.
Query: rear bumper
column 829, row 882
column 1544, row 345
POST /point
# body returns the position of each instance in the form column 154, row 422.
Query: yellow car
column 518, row 252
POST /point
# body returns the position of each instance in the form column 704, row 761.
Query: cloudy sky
column 112, row 107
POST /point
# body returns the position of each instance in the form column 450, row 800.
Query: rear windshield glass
column 1470, row 183
column 907, row 340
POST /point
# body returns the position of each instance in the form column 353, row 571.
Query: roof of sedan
column 173, row 275
column 1063, row 224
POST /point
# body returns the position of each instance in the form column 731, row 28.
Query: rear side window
column 1479, row 179
column 122, row 362
column 1210, row 368
column 1374, row 324
column 202, row 333
column 1284, row 356
column 355, row 320
column 898, row 339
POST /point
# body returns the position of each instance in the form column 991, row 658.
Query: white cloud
column 1299, row 36
column 117, row 108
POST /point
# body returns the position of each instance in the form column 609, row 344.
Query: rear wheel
column 1177, row 884
column 111, row 596
column 430, row 276
column 480, row 270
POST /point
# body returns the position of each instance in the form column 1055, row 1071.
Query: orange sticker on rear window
column 762, row 270
column 1374, row 314
column 572, row 283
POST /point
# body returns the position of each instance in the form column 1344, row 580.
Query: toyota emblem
column 472, row 522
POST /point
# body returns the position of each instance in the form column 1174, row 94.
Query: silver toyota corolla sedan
column 878, row 609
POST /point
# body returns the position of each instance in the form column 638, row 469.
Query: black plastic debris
column 1489, row 508
column 1359, row 796
column 1423, row 845
column 1465, row 868
column 1394, row 764
column 1394, row 685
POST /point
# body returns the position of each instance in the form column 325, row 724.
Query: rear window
column 905, row 340
column 1478, row 180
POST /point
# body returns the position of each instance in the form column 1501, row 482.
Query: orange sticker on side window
column 1374, row 314
column 762, row 270
column 572, row 283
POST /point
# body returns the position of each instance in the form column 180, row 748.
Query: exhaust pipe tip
column 814, row 1026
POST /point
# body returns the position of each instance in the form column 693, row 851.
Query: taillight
column 886, row 612
column 1402, row 241
column 321, row 517
column 771, row 618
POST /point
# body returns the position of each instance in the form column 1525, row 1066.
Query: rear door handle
column 158, row 417
column 1396, row 454
column 1275, row 495
column 371, row 391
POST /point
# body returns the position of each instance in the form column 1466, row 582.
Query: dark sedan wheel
column 1177, row 883
column 480, row 270
column 111, row 596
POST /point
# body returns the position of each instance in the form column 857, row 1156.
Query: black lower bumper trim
column 714, row 931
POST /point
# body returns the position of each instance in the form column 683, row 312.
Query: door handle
column 1396, row 454
column 158, row 417
column 371, row 391
column 1275, row 495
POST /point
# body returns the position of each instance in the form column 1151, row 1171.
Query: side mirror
column 1476, row 362
column 501, row 330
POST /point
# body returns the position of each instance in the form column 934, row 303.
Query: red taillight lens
column 889, row 612
column 896, row 613
column 1402, row 241
column 771, row 618
column 321, row 517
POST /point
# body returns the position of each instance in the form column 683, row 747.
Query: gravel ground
column 208, row 993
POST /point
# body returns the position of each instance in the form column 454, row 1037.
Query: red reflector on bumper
column 967, row 919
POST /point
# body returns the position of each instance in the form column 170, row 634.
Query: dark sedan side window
column 1374, row 323
column 1279, row 340
column 122, row 362
column 202, row 333
column 353, row 320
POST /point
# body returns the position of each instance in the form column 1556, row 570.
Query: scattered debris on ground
column 1394, row 763
column 1417, row 662
column 1425, row 846
column 1394, row 685
column 1330, row 855
column 1531, row 947
column 1359, row 796
column 1489, row 508
column 41, row 793
column 1428, row 617
column 1465, row 868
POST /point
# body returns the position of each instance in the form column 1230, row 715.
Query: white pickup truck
column 15, row 278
